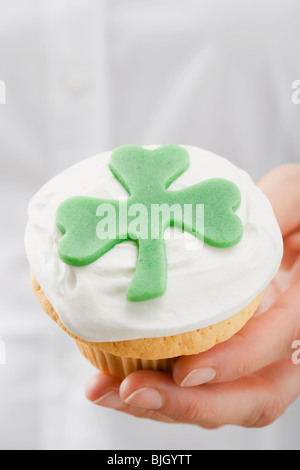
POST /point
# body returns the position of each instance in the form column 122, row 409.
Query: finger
column 264, row 340
column 286, row 201
column 252, row 401
column 293, row 241
column 103, row 390
column 291, row 251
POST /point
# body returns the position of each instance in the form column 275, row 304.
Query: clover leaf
column 146, row 175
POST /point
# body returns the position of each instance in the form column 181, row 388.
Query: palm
column 289, row 272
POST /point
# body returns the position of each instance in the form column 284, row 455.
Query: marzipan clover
column 147, row 175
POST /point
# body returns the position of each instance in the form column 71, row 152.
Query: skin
column 255, row 379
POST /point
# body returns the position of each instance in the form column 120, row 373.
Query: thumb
column 282, row 187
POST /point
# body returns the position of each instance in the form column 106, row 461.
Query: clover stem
column 150, row 277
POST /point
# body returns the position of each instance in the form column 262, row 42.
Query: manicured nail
column 198, row 377
column 110, row 400
column 146, row 398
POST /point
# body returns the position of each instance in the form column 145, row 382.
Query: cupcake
column 145, row 254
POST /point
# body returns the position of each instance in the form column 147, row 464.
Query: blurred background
column 83, row 77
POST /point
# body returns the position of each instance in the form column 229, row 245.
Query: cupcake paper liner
column 120, row 367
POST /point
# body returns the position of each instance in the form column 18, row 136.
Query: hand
column 250, row 379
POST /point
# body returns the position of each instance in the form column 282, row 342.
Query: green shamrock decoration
column 146, row 175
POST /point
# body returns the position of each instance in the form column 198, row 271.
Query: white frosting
column 205, row 285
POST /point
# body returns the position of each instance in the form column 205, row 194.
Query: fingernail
column 146, row 398
column 110, row 400
column 198, row 377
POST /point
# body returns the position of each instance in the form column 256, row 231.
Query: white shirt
column 84, row 77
